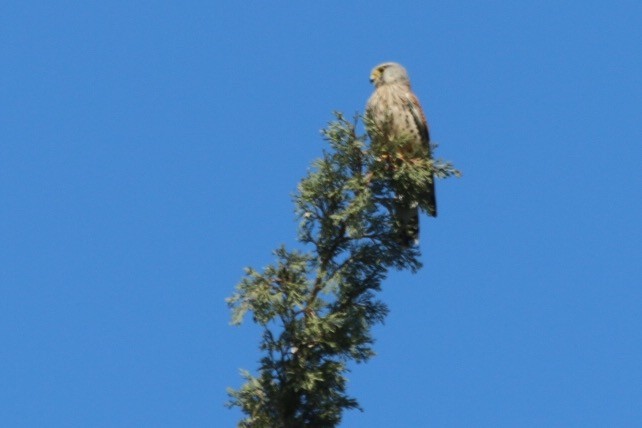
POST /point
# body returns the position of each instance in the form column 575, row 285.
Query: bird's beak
column 372, row 79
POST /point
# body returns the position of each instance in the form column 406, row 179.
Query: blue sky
column 149, row 150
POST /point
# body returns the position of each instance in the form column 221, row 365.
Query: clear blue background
column 148, row 151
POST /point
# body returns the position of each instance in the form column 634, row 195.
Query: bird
column 394, row 106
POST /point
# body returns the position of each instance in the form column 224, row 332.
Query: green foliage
column 317, row 309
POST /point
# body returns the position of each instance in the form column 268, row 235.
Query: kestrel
column 395, row 107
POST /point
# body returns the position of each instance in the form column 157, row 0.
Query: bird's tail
column 432, row 199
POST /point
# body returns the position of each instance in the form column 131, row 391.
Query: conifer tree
column 317, row 307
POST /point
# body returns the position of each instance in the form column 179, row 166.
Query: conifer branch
column 317, row 308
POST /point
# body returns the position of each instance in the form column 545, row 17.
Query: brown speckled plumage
column 393, row 103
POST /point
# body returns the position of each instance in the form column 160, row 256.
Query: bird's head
column 388, row 73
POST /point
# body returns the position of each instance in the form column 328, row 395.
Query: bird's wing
column 420, row 119
column 422, row 126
